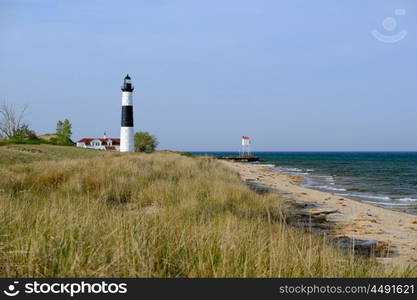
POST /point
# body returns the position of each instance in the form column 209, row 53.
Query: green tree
column 24, row 133
column 63, row 132
column 145, row 142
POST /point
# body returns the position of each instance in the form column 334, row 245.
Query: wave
column 293, row 169
column 357, row 190
column 265, row 165
column 330, row 180
column 327, row 178
column 386, row 203
column 367, row 196
column 394, row 202
column 377, row 197
column 407, row 199
column 331, row 188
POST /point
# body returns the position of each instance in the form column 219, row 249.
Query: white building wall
column 97, row 146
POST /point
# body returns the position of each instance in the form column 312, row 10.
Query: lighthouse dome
column 127, row 84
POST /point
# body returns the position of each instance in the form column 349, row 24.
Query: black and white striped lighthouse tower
column 126, row 129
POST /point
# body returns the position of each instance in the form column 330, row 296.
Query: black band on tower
column 127, row 116
column 127, row 87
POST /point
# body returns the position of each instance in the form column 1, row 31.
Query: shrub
column 145, row 142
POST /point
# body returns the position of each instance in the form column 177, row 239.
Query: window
column 96, row 143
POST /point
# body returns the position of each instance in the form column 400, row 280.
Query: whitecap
column 331, row 188
column 265, row 165
column 407, row 199
column 386, row 203
column 366, row 196
column 376, row 197
column 293, row 169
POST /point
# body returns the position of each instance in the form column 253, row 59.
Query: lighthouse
column 126, row 129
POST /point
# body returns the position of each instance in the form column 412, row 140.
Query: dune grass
column 154, row 215
column 16, row 153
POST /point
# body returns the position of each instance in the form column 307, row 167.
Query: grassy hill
column 68, row 212
column 13, row 154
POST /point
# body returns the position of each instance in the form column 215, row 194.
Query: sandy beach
column 344, row 218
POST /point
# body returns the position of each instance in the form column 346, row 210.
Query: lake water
column 387, row 179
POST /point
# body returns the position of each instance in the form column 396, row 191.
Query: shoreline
column 345, row 218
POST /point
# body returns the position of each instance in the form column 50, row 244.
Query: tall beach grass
column 154, row 215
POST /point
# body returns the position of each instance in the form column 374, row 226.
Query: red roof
column 87, row 141
column 245, row 137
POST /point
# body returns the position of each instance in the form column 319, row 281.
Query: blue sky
column 293, row 75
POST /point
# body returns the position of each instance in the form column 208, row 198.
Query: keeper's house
column 105, row 143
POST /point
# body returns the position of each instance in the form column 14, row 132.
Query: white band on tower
column 127, row 98
column 126, row 139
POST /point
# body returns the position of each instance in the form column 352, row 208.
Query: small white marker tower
column 245, row 146
column 126, row 130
